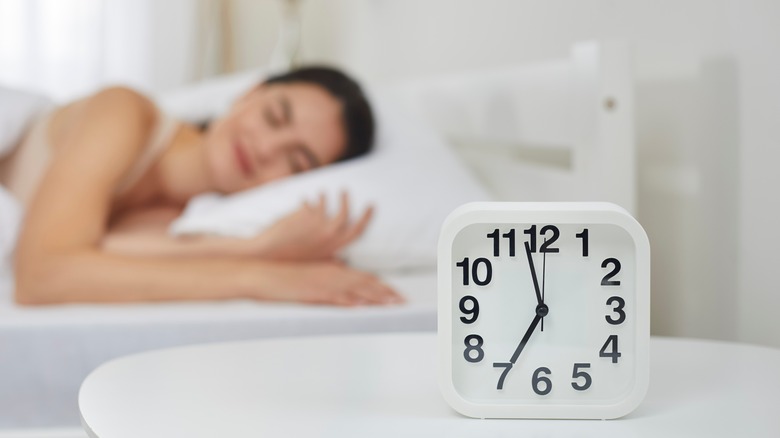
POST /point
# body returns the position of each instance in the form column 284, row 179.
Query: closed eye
column 271, row 118
column 298, row 162
column 301, row 158
column 277, row 117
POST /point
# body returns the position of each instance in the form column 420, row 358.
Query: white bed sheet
column 46, row 352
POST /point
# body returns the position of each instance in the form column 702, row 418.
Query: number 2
column 607, row 280
column 545, row 247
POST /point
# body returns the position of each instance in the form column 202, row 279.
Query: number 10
column 475, row 271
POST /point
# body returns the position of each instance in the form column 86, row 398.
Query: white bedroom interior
column 703, row 79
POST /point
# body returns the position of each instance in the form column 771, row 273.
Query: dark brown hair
column 357, row 114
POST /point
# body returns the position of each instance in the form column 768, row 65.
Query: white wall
column 69, row 49
column 707, row 118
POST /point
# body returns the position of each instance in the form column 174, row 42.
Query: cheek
column 272, row 170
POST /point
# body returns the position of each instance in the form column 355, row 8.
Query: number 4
column 614, row 354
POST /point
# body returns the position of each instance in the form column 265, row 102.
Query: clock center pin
column 542, row 310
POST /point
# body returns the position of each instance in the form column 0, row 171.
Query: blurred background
column 705, row 82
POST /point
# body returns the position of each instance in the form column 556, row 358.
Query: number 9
column 473, row 310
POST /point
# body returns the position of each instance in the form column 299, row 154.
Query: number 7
column 507, row 366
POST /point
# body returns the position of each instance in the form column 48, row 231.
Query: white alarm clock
column 544, row 310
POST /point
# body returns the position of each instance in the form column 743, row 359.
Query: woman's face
column 274, row 131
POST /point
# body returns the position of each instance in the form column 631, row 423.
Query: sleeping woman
column 101, row 179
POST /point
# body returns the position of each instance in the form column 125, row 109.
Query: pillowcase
column 18, row 109
column 412, row 178
column 199, row 102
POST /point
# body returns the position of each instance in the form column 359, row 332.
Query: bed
column 554, row 130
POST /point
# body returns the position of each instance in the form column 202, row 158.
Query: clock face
column 544, row 316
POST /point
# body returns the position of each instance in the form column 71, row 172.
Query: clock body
column 543, row 310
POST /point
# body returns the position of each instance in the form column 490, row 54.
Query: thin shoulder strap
column 161, row 137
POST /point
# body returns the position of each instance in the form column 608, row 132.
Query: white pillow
column 18, row 109
column 204, row 100
column 412, row 179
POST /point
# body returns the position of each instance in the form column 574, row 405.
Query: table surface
column 386, row 385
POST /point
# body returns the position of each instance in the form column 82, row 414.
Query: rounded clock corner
column 628, row 406
column 455, row 401
column 457, row 220
column 627, row 221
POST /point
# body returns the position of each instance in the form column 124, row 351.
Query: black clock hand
column 527, row 336
column 533, row 273
column 544, row 271
column 544, row 274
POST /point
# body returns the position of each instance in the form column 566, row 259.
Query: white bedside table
column 386, row 385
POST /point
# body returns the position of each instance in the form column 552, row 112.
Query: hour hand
column 533, row 273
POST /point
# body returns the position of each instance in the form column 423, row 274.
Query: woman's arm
column 58, row 253
column 92, row 276
column 307, row 234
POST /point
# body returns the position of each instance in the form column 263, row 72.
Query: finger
column 375, row 293
column 322, row 205
column 342, row 219
column 313, row 205
column 358, row 228
column 388, row 295
column 347, row 299
column 338, row 223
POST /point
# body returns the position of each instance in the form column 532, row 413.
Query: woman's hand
column 310, row 234
column 327, row 283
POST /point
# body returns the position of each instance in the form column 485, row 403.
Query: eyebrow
column 286, row 109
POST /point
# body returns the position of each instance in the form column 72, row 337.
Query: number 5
column 576, row 374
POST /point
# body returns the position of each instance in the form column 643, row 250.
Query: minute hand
column 533, row 273
column 525, row 339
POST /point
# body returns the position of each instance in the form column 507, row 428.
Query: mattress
column 46, row 352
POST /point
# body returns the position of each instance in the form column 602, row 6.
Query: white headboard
column 549, row 131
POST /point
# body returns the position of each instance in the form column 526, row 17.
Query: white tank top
column 29, row 162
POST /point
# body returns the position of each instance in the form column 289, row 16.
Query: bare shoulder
column 118, row 103
column 119, row 117
column 122, row 102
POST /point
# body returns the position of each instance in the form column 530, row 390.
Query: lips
column 243, row 160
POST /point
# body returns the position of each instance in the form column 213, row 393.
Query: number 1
column 584, row 236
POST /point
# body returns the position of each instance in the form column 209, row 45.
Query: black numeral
column 511, row 236
column 470, row 346
column 621, row 303
column 607, row 280
column 475, row 271
column 584, row 236
column 576, row 374
column 496, row 246
column 473, row 310
column 547, row 241
column 506, row 366
column 614, row 353
column 535, row 380
column 494, row 236
column 531, row 237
